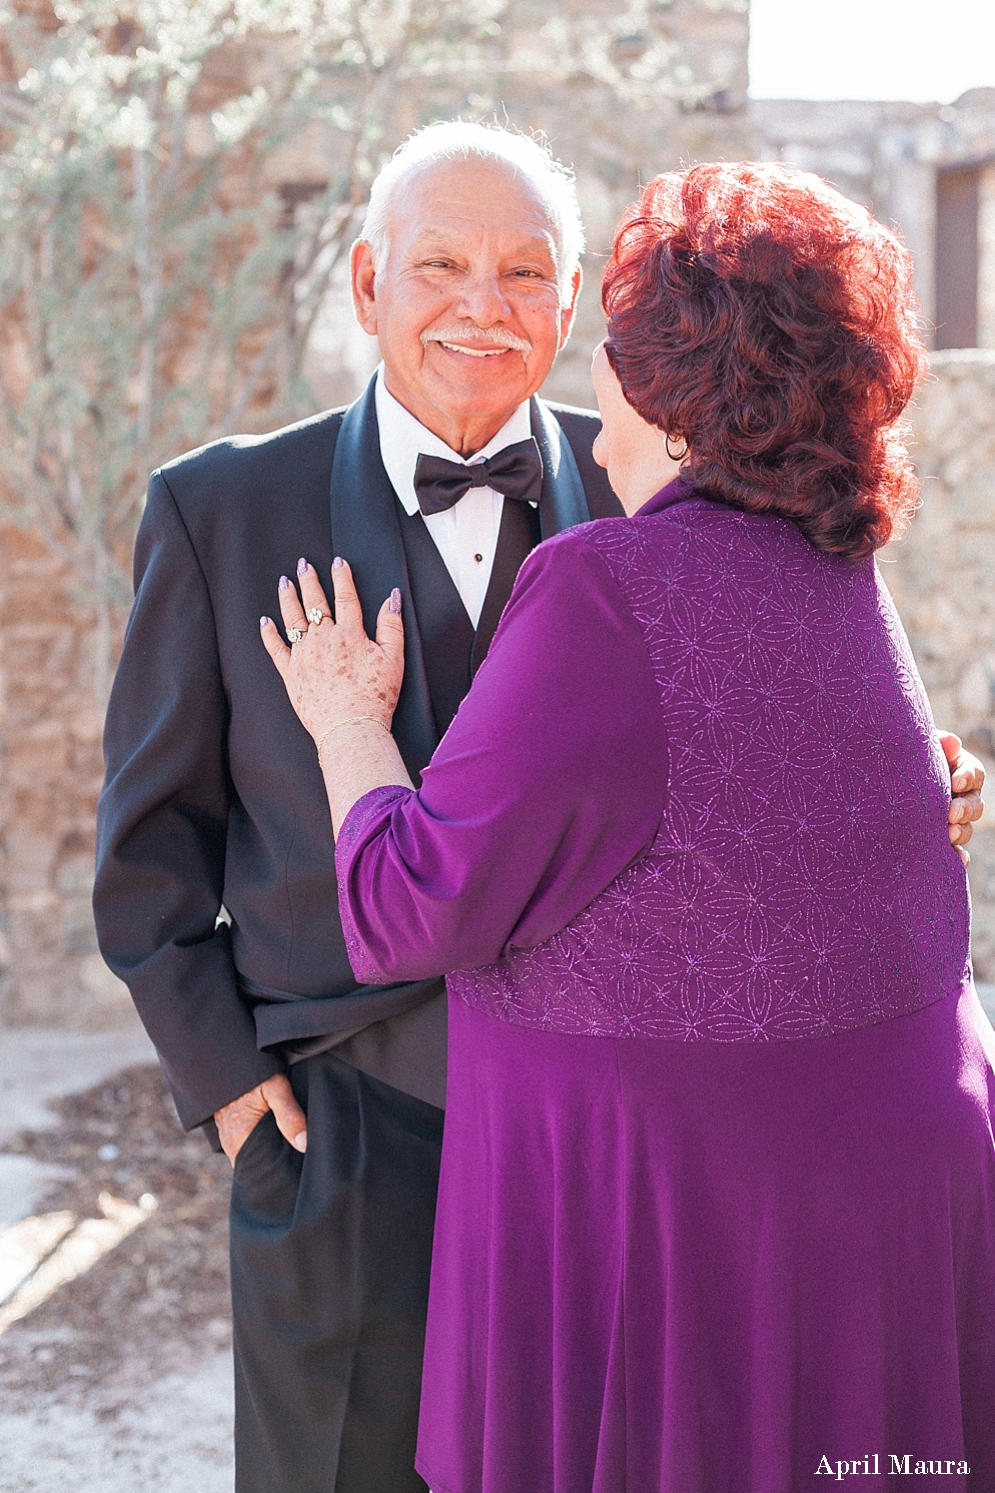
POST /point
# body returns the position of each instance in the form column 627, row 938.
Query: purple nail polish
column 284, row 583
column 263, row 621
column 338, row 562
column 302, row 566
column 395, row 600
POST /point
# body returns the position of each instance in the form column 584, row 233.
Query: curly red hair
column 771, row 323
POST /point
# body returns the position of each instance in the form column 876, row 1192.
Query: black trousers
column 330, row 1256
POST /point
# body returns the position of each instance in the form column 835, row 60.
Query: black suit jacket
column 213, row 794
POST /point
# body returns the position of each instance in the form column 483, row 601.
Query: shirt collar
column 403, row 439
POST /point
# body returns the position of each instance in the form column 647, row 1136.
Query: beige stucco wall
column 942, row 575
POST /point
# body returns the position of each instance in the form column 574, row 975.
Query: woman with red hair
column 772, row 325
column 717, row 1210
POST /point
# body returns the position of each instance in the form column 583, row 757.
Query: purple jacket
column 695, row 792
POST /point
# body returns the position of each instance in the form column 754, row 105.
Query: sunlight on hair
column 447, row 141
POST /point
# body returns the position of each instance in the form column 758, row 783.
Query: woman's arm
column 550, row 781
column 342, row 684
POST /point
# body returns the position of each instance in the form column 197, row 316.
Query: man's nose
column 482, row 299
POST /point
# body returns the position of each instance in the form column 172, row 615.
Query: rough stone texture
column 941, row 577
column 634, row 92
column 617, row 138
column 50, row 773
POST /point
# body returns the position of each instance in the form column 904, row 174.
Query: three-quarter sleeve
column 551, row 780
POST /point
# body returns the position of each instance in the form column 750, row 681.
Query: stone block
column 941, row 576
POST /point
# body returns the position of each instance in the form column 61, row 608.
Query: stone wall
column 51, row 768
column 654, row 83
column 617, row 137
column 942, row 575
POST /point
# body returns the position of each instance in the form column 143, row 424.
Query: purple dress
column 717, row 1209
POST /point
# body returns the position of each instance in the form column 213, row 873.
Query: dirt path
column 115, row 1373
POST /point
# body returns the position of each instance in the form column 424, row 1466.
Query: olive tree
column 164, row 252
column 160, row 263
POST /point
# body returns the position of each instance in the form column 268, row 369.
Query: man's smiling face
column 466, row 304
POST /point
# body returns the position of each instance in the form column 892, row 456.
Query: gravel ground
column 176, row 1439
column 122, row 1378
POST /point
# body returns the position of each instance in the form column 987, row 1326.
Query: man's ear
column 567, row 311
column 363, row 276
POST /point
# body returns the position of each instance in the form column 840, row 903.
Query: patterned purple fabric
column 801, row 882
column 549, row 782
column 717, row 1203
column 744, row 841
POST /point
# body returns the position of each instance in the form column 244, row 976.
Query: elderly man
column 439, row 480
column 327, row 1095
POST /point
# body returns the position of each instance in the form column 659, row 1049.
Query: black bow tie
column 516, row 472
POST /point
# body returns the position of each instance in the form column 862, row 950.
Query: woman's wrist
column 349, row 720
column 364, row 756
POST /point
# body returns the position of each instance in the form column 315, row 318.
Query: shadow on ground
column 121, row 1378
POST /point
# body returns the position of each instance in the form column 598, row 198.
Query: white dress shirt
column 466, row 534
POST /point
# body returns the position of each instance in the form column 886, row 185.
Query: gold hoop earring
column 676, row 455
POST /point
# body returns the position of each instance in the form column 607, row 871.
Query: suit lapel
column 444, row 628
column 366, row 532
column 365, row 518
column 563, row 501
column 563, row 505
column 517, row 537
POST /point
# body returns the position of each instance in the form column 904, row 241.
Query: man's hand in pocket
column 237, row 1120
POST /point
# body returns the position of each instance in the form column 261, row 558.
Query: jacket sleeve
column 551, row 780
column 162, row 824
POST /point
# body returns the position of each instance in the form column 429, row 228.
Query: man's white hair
column 552, row 181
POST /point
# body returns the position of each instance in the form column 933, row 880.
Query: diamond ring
column 294, row 634
column 315, row 615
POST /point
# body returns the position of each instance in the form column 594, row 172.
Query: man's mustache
column 468, row 331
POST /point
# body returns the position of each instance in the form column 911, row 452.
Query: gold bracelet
column 349, row 721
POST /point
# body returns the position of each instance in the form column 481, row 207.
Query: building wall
column 50, row 774
column 879, row 154
column 941, row 576
column 888, row 157
column 52, row 645
column 986, row 257
column 617, row 138
column 682, row 67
